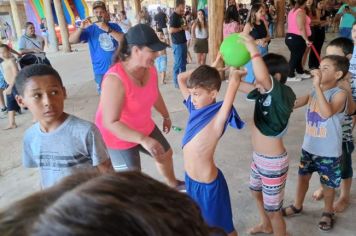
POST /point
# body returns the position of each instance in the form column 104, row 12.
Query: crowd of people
column 129, row 61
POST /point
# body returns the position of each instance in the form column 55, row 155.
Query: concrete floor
column 233, row 154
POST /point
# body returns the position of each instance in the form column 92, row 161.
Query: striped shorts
column 269, row 175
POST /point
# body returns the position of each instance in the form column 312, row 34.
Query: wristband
column 256, row 55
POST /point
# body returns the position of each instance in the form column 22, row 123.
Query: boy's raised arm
column 182, row 81
column 337, row 103
column 224, row 112
column 259, row 67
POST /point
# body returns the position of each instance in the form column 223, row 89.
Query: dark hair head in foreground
column 128, row 203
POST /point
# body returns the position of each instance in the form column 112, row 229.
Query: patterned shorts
column 328, row 168
column 269, row 175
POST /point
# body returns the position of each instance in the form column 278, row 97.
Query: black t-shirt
column 176, row 21
column 161, row 20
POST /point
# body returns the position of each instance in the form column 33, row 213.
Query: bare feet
column 260, row 228
column 318, row 194
column 13, row 126
column 341, row 204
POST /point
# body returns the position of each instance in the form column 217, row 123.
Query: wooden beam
column 137, row 6
column 16, row 18
column 62, row 25
column 52, row 38
column 280, row 9
column 121, row 5
column 194, row 7
column 216, row 18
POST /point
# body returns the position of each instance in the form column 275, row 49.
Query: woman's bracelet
column 166, row 118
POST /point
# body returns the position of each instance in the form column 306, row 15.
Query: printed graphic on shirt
column 316, row 125
column 106, row 42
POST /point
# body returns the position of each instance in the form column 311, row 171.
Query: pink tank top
column 230, row 28
column 292, row 23
column 136, row 108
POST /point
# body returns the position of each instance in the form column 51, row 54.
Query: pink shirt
column 292, row 23
column 136, row 107
column 230, row 28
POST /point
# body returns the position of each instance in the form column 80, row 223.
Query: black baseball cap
column 144, row 35
column 99, row 4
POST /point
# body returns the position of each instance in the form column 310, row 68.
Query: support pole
column 121, row 5
column 62, row 25
column 16, row 18
column 280, row 8
column 53, row 42
column 137, row 6
column 216, row 19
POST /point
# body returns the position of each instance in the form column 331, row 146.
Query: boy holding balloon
column 273, row 107
column 208, row 119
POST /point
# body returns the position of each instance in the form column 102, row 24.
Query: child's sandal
column 293, row 208
column 326, row 225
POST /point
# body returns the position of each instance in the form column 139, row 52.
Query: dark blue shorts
column 11, row 101
column 214, row 201
column 346, row 160
column 328, row 168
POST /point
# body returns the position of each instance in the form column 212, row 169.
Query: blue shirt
column 199, row 118
column 102, row 46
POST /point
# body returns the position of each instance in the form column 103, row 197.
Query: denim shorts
column 328, row 168
column 161, row 63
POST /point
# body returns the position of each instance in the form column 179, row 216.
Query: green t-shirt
column 273, row 108
column 347, row 19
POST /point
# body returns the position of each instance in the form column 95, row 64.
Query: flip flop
column 295, row 210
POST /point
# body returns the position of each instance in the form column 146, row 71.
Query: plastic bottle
column 176, row 128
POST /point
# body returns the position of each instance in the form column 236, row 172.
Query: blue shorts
column 11, row 102
column 161, row 63
column 328, row 168
column 214, row 201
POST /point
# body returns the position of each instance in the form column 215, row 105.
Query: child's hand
column 237, row 74
column 85, row 24
column 249, row 43
column 316, row 77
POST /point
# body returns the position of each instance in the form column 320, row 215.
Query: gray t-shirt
column 323, row 136
column 26, row 42
column 75, row 144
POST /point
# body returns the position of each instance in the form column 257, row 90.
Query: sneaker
column 304, row 76
column 180, row 186
column 294, row 79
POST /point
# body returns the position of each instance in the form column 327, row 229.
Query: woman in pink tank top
column 129, row 92
column 297, row 39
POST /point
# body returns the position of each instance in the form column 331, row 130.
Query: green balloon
column 234, row 52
